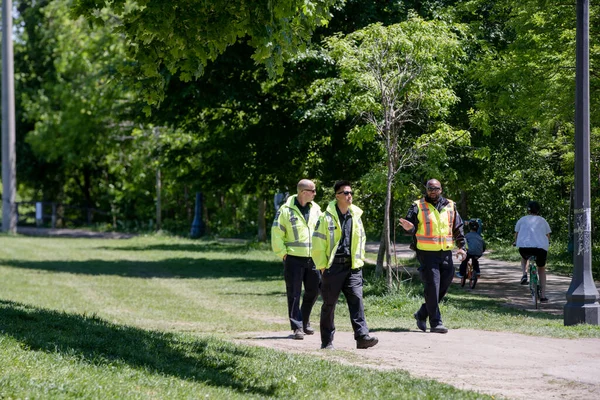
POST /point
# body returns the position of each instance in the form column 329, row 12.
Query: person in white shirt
column 532, row 237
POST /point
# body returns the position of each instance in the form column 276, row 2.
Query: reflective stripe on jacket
column 328, row 234
column 291, row 233
column 434, row 232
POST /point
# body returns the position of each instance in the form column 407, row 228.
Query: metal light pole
column 9, row 165
column 582, row 297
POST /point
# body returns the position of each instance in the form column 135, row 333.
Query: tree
column 522, row 123
column 181, row 37
column 393, row 77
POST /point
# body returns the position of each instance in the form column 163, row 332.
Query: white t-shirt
column 532, row 231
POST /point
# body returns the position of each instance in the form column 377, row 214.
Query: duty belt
column 342, row 260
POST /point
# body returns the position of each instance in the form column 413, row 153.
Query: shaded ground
column 498, row 363
column 71, row 233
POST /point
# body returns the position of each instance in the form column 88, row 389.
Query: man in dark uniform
column 436, row 225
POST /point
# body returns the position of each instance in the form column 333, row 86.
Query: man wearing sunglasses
column 291, row 239
column 436, row 226
column 338, row 251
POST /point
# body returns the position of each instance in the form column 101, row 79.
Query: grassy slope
column 147, row 317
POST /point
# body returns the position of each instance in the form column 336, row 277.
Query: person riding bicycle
column 532, row 237
column 475, row 249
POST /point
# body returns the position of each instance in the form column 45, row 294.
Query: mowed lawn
column 150, row 317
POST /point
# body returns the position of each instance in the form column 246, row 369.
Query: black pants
column 341, row 278
column 437, row 271
column 475, row 262
column 296, row 271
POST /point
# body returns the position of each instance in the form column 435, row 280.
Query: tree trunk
column 380, row 254
column 262, row 226
column 386, row 229
column 463, row 204
column 158, row 200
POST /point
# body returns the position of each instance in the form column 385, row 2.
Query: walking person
column 436, row 226
column 532, row 237
column 291, row 239
column 338, row 251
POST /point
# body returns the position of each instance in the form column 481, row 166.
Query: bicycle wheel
column 473, row 280
column 534, row 282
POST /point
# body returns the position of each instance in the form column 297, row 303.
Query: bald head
column 306, row 191
column 434, row 190
column 434, row 183
column 305, row 184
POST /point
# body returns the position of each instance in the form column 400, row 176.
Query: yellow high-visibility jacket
column 291, row 233
column 328, row 234
column 434, row 232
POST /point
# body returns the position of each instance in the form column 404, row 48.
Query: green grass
column 50, row 354
column 149, row 317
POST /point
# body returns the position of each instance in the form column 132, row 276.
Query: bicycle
column 470, row 275
column 534, row 281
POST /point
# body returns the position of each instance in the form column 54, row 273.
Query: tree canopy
column 182, row 37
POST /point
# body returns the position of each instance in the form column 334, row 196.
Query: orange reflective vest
column 434, row 232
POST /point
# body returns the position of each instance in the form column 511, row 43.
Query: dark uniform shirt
column 346, row 239
column 304, row 210
column 457, row 229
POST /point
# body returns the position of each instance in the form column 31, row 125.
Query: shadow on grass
column 230, row 247
column 476, row 303
column 179, row 268
column 463, row 300
column 98, row 342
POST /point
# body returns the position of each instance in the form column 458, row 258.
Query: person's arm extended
column 410, row 222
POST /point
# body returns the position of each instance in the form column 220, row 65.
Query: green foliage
column 522, row 117
column 183, row 37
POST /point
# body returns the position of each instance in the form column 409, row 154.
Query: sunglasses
column 310, row 190
column 346, row 192
column 433, row 189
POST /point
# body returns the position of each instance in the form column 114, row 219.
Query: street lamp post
column 582, row 297
column 9, row 174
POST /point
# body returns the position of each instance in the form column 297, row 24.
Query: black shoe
column 544, row 300
column 309, row 330
column 439, row 329
column 524, row 280
column 298, row 334
column 328, row 346
column 366, row 341
column 421, row 323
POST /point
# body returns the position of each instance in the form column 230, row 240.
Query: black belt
column 342, row 260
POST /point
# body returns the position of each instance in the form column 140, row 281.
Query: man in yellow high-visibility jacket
column 339, row 251
column 436, row 226
column 291, row 240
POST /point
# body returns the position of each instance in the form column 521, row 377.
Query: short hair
column 473, row 225
column 533, row 207
column 340, row 184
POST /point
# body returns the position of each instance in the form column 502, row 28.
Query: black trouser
column 437, row 271
column 475, row 262
column 341, row 278
column 298, row 270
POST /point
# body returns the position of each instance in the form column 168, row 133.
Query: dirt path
column 498, row 363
